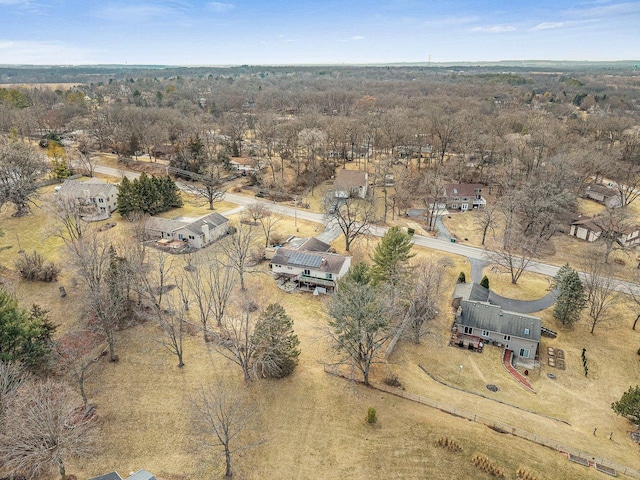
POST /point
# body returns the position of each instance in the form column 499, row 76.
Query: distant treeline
column 102, row 73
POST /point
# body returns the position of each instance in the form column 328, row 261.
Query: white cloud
column 548, row 25
column 495, row 29
column 15, row 2
column 220, row 7
column 357, row 37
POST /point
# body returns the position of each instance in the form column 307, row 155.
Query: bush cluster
column 32, row 267
column 449, row 444
column 483, row 463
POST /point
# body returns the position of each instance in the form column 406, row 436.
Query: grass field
column 312, row 424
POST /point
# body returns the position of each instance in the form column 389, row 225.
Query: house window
column 289, row 268
column 191, row 237
column 468, row 330
column 306, row 272
column 180, row 236
column 507, row 337
column 485, row 333
column 454, row 205
column 526, row 331
column 329, row 276
column 524, row 353
column 100, row 200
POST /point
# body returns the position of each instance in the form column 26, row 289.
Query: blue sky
column 181, row 32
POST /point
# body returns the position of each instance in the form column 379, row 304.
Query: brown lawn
column 312, row 424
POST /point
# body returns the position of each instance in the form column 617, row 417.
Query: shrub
column 448, row 444
column 393, row 381
column 523, row 474
column 32, row 267
column 371, row 415
column 462, row 278
column 483, row 463
column 485, row 282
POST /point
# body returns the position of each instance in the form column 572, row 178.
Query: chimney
column 205, row 231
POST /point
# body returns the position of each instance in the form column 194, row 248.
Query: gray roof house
column 603, row 194
column 469, row 291
column 309, row 265
column 139, row 475
column 351, row 183
column 99, row 195
column 197, row 232
column 490, row 324
column 108, row 476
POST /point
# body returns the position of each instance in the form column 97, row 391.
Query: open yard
column 311, row 424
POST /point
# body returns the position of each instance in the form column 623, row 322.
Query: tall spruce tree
column 275, row 342
column 571, row 296
column 149, row 195
column 391, row 257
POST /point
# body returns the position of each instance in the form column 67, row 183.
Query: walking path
column 506, row 362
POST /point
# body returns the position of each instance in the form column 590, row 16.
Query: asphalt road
column 473, row 253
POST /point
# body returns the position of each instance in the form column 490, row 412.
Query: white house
column 197, row 233
column 95, row 193
column 591, row 228
column 246, row 165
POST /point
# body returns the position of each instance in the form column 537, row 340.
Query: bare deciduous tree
column 43, row 429
column 238, row 250
column 224, row 416
column 600, row 288
column 353, row 216
column 106, row 279
column 514, row 253
column 172, row 321
column 236, row 342
column 485, row 219
column 20, row 169
column 260, row 213
column 69, row 226
column 210, row 186
column 425, row 292
column 79, row 351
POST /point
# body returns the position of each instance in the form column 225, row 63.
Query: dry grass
column 463, row 226
column 313, row 424
column 530, row 285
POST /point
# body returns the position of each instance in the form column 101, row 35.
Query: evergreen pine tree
column 571, row 296
column 276, row 344
column 127, row 198
column 391, row 255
